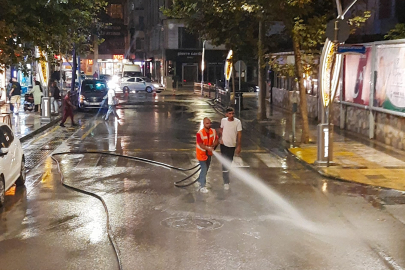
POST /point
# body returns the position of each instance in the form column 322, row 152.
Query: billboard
column 390, row 77
column 357, row 78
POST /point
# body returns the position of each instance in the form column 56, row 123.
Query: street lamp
column 202, row 69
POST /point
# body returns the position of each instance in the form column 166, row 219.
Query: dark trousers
column 228, row 153
column 11, row 107
column 67, row 113
column 36, row 108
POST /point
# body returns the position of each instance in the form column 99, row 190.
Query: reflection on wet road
column 159, row 226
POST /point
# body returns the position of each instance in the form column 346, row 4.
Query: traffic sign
column 338, row 30
column 351, row 49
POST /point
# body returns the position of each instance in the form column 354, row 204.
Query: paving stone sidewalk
column 26, row 124
column 356, row 158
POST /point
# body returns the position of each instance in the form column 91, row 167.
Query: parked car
column 136, row 84
column 245, row 86
column 12, row 161
column 91, row 94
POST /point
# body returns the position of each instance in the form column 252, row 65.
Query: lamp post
column 202, row 69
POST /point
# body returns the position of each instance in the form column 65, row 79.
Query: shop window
column 385, row 9
column 188, row 40
column 115, row 11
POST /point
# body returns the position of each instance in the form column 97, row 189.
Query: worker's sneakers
column 203, row 190
column 226, row 186
column 74, row 124
column 62, row 125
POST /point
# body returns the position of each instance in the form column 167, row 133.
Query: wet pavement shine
column 158, row 226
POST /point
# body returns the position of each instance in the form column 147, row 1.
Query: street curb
column 41, row 129
column 332, row 177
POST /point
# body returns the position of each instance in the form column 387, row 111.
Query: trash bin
column 239, row 100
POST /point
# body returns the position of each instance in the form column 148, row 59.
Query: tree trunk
column 233, row 84
column 303, row 94
column 262, row 74
column 72, row 86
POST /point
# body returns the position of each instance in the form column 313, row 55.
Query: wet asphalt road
column 159, row 226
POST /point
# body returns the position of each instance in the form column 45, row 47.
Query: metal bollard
column 46, row 109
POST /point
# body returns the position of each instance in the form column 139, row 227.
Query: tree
column 52, row 25
column 397, row 33
column 230, row 23
column 226, row 22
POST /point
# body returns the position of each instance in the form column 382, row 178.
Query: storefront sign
column 390, row 81
column 90, row 61
column 118, row 57
column 357, row 77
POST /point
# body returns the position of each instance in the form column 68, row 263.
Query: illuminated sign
column 90, row 62
column 118, row 57
column 228, row 65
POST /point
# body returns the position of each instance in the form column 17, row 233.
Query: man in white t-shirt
column 231, row 139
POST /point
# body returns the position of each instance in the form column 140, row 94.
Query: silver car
column 137, row 84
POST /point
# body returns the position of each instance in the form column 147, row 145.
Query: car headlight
column 257, row 88
column 81, row 98
column 156, row 85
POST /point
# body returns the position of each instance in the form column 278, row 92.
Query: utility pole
column 202, row 68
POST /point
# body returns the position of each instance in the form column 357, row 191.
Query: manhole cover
column 191, row 224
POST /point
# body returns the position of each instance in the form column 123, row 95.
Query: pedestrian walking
column 67, row 109
column 207, row 140
column 37, row 94
column 55, row 97
column 8, row 90
column 112, row 102
column 15, row 96
column 231, row 139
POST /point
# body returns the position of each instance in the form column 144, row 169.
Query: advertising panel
column 390, row 81
column 357, row 77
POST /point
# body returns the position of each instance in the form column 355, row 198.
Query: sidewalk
column 27, row 124
column 357, row 159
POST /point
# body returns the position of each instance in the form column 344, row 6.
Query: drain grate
column 191, row 224
column 36, row 157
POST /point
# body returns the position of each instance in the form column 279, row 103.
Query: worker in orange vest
column 207, row 141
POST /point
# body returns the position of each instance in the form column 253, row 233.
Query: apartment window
column 141, row 23
column 385, row 8
column 139, row 43
column 188, row 40
column 115, row 11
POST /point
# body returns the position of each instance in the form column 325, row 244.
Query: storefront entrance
column 190, row 73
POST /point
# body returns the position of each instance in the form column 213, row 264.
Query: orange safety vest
column 208, row 140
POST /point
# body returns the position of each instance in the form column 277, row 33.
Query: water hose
column 109, row 230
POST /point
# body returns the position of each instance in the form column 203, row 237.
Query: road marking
column 89, row 131
column 44, row 135
column 270, row 160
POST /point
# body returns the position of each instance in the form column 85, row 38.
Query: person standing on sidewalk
column 112, row 101
column 37, row 94
column 8, row 89
column 207, row 140
column 231, row 140
column 55, row 97
column 67, row 110
column 15, row 95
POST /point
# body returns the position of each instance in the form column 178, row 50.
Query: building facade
column 173, row 52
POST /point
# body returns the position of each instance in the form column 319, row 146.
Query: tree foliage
column 397, row 33
column 52, row 25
